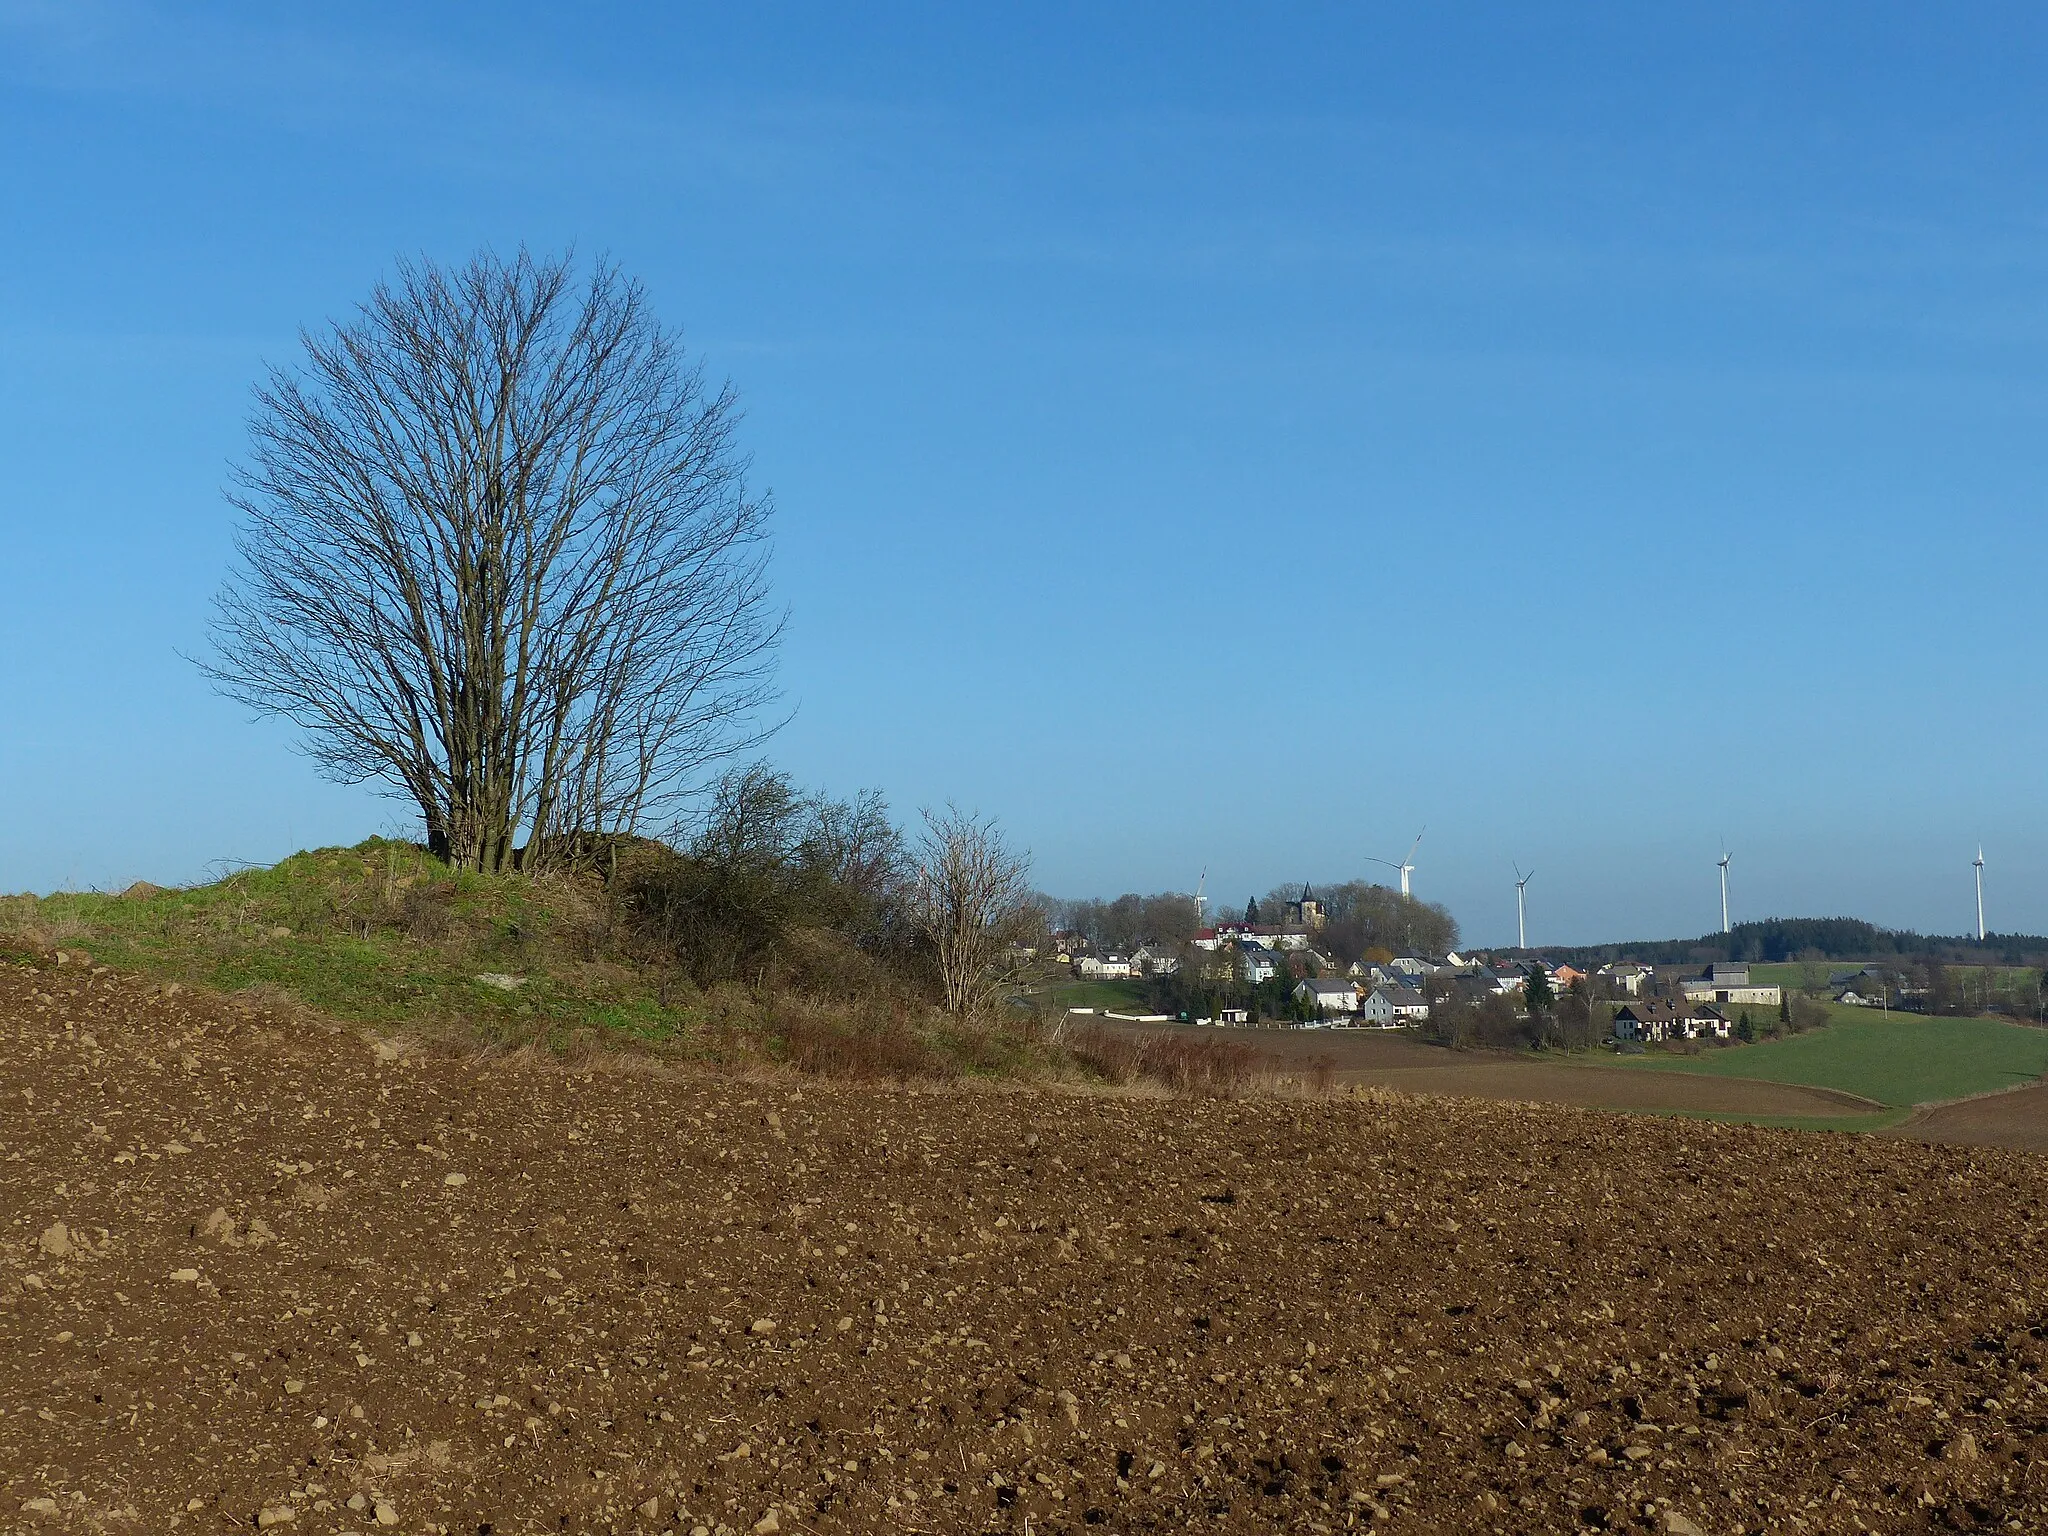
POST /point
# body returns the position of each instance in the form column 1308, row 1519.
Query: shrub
column 1217, row 1068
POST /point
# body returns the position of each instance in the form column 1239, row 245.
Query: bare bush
column 772, row 880
column 864, row 1049
column 972, row 903
column 1210, row 1067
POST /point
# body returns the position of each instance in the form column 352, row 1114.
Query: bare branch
column 971, row 901
column 499, row 553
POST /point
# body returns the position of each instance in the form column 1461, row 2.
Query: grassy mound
column 385, row 935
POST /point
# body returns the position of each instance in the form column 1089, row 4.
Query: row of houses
column 1386, row 1006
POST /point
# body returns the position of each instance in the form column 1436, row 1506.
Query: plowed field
column 2017, row 1119
column 258, row 1274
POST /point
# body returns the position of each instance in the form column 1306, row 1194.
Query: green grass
column 384, row 935
column 1898, row 1061
column 379, row 934
column 1122, row 996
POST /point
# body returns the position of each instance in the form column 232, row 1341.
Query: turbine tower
column 1521, row 917
column 1724, row 890
column 1980, row 893
column 1407, row 865
column 1201, row 901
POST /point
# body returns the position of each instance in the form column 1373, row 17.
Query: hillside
column 385, row 935
column 425, row 1292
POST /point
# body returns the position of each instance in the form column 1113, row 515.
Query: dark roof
column 1645, row 1012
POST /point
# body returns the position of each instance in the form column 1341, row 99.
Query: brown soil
column 254, row 1275
column 2018, row 1119
column 1397, row 1060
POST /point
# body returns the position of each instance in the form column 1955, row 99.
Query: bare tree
column 499, row 553
column 972, row 902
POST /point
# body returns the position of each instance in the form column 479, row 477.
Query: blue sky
column 1201, row 437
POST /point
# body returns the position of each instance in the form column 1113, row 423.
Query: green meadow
column 1901, row 1060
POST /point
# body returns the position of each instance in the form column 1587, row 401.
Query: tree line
column 1360, row 920
column 1777, row 940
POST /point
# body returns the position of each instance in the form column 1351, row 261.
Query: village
column 1244, row 963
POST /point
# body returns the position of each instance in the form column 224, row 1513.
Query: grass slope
column 1117, row 996
column 380, row 933
column 385, row 935
column 1899, row 1061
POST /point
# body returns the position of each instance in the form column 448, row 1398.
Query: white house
column 1654, row 1020
column 1103, row 967
column 1328, row 995
column 1260, row 963
column 1376, row 1008
column 1408, row 1003
column 1661, row 1020
column 1391, row 1007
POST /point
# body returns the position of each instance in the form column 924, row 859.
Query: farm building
column 1726, row 983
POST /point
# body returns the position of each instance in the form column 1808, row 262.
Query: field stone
column 56, row 1241
column 386, row 1512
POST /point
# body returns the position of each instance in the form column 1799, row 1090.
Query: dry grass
column 1211, row 1068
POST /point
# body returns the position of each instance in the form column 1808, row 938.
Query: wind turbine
column 1980, row 893
column 1725, row 857
column 1407, row 865
column 1201, row 901
column 1521, row 920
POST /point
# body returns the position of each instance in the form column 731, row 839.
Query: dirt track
column 1395, row 1059
column 496, row 1298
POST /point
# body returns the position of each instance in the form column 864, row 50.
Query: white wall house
column 1409, row 1006
column 1328, row 995
column 1662, row 1020
column 1103, row 967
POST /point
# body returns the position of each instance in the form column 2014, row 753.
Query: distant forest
column 1779, row 939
